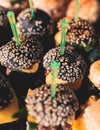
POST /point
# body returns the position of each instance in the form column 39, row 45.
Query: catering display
column 49, row 65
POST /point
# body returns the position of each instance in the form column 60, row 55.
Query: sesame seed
column 72, row 64
column 39, row 25
column 22, row 57
column 53, row 112
column 79, row 32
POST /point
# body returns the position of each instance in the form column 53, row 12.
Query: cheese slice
column 7, row 112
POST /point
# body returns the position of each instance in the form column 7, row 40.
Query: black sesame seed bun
column 80, row 34
column 5, row 30
column 41, row 127
column 3, row 17
column 6, row 94
column 24, row 57
column 40, row 25
column 72, row 65
column 8, row 101
column 52, row 112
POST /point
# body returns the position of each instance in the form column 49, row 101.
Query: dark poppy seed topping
column 3, row 17
column 39, row 25
column 52, row 112
column 72, row 64
column 23, row 57
column 6, row 96
column 80, row 34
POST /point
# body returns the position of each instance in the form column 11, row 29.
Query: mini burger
column 48, row 113
column 94, row 73
column 24, row 58
column 8, row 101
column 40, row 25
column 79, row 34
column 72, row 67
